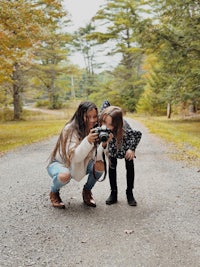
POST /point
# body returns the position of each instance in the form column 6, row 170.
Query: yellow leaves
column 150, row 62
column 134, row 49
column 2, row 35
column 23, row 26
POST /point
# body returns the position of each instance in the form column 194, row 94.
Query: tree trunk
column 192, row 108
column 168, row 110
column 16, row 103
column 16, row 93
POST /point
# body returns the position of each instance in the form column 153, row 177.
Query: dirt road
column 163, row 230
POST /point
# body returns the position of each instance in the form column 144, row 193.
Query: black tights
column 130, row 173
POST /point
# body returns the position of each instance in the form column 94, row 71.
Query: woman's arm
column 80, row 150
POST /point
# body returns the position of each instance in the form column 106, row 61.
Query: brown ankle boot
column 56, row 200
column 87, row 198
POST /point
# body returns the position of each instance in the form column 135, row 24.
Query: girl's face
column 108, row 122
column 90, row 118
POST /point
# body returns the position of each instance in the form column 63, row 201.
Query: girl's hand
column 92, row 137
column 130, row 154
column 110, row 138
column 104, row 144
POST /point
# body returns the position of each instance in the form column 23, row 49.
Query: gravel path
column 163, row 230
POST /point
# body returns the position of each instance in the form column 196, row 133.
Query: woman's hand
column 130, row 154
column 92, row 137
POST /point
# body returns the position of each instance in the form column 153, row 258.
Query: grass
column 36, row 126
column 182, row 134
column 14, row 134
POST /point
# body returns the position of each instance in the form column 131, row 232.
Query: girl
column 73, row 155
column 122, row 145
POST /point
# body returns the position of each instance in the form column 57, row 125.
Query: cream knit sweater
column 83, row 152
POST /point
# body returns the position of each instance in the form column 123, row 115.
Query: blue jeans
column 56, row 167
column 91, row 181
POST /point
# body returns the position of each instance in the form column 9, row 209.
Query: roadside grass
column 35, row 126
column 182, row 134
column 13, row 135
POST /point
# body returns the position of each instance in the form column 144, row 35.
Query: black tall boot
column 113, row 182
column 130, row 176
column 112, row 198
column 130, row 198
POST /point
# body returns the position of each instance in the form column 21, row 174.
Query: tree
column 23, row 25
column 121, row 20
column 173, row 37
column 50, row 64
column 87, row 47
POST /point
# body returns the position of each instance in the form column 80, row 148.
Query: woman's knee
column 64, row 177
column 99, row 166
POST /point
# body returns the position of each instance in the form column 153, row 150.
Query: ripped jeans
column 56, row 167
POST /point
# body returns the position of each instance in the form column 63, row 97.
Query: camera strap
column 101, row 179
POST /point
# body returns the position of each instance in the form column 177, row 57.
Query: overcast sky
column 81, row 12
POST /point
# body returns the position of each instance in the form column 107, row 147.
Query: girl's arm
column 133, row 137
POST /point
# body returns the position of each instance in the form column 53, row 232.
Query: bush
column 6, row 114
column 42, row 103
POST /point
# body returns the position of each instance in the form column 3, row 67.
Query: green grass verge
column 184, row 135
column 15, row 134
column 36, row 126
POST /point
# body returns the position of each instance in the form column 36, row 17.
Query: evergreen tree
column 121, row 19
column 173, row 37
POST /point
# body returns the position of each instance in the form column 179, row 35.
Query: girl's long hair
column 78, row 126
column 117, row 121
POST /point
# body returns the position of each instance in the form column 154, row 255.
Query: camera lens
column 103, row 136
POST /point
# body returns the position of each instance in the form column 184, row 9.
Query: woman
column 74, row 152
column 123, row 145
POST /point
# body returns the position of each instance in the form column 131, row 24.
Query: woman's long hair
column 77, row 126
column 117, row 121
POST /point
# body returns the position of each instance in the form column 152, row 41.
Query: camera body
column 103, row 133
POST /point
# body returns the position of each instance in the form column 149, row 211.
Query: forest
column 157, row 41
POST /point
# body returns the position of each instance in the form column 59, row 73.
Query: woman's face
column 90, row 118
column 108, row 122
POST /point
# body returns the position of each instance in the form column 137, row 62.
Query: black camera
column 103, row 133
